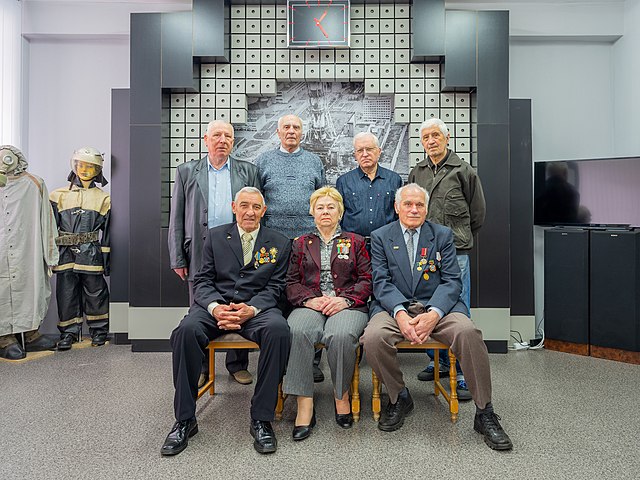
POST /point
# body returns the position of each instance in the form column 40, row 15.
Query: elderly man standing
column 416, row 282
column 201, row 199
column 368, row 190
column 289, row 175
column 456, row 201
column 244, row 268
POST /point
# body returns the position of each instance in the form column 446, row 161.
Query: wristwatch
column 350, row 303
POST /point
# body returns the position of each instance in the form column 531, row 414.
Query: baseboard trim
column 145, row 345
column 616, row 354
column 567, row 347
column 121, row 339
column 497, row 346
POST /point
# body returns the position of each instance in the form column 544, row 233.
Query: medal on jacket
column 423, row 260
column 342, row 247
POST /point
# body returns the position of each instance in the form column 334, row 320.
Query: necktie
column 246, row 247
column 410, row 250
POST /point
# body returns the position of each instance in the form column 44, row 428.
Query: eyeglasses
column 360, row 151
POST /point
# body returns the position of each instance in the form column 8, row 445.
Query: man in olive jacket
column 455, row 201
column 201, row 200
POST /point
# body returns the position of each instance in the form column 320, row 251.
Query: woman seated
column 328, row 284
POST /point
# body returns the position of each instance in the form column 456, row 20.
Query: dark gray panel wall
column 428, row 28
column 120, row 167
column 211, row 28
column 493, row 67
column 146, row 109
column 521, row 234
column 177, row 60
column 493, row 239
column 460, row 50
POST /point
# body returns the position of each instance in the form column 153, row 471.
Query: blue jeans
column 465, row 297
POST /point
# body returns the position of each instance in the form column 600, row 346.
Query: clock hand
column 323, row 15
column 323, row 30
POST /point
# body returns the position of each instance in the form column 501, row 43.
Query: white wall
column 570, row 86
column 626, row 79
column 10, row 73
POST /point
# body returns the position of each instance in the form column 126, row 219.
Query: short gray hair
column 248, row 190
column 281, row 119
column 435, row 122
column 213, row 123
column 360, row 135
column 411, row 186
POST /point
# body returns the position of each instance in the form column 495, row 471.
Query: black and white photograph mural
column 332, row 114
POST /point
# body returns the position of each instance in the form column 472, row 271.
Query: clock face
column 318, row 23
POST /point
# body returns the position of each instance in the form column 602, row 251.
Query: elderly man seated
column 416, row 283
column 243, row 273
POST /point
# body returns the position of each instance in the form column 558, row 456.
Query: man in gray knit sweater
column 289, row 175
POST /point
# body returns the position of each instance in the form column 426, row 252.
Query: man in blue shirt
column 368, row 191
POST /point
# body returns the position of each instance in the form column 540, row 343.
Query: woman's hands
column 327, row 305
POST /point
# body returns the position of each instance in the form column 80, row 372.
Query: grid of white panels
column 379, row 57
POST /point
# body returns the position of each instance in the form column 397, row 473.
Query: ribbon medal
column 342, row 247
column 423, row 260
column 432, row 266
column 263, row 256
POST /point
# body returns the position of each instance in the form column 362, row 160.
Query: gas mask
column 8, row 163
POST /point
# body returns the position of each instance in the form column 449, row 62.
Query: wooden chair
column 355, row 386
column 231, row 341
column 234, row 340
column 452, row 399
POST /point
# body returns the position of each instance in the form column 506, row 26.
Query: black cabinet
column 592, row 292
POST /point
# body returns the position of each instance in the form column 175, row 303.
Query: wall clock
column 318, row 23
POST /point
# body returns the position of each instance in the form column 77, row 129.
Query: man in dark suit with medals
column 236, row 290
column 416, row 283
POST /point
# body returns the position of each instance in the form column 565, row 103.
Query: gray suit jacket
column 189, row 202
column 395, row 282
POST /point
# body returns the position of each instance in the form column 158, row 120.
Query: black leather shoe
column 265, row 437
column 66, row 340
column 344, row 420
column 99, row 338
column 13, row 352
column 392, row 418
column 179, row 436
column 303, row 431
column 318, row 376
column 40, row 344
column 488, row 425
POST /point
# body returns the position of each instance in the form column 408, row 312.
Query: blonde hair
column 330, row 192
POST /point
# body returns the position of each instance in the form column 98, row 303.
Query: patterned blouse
column 326, row 280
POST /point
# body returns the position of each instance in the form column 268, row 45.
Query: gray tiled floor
column 104, row 412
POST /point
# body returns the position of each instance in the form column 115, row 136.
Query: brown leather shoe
column 243, row 377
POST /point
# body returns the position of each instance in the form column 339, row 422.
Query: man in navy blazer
column 416, row 283
column 236, row 290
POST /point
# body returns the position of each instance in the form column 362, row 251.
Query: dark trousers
column 190, row 338
column 235, row 360
column 79, row 295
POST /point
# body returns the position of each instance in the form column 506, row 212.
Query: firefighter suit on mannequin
column 82, row 211
column 27, row 253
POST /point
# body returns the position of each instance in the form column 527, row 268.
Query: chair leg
column 279, row 403
column 436, row 371
column 453, row 384
column 355, row 388
column 375, row 397
column 212, row 370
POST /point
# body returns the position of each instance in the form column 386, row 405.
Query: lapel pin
column 395, row 247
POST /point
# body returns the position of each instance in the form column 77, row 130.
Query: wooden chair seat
column 234, row 340
column 452, row 399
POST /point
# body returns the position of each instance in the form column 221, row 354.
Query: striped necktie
column 410, row 249
column 246, row 247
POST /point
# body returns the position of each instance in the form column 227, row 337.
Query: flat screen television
column 590, row 192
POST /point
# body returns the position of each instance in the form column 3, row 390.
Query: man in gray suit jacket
column 416, row 283
column 201, row 199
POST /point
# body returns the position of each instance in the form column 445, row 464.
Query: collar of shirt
column 335, row 235
column 436, row 166
column 363, row 174
column 404, row 231
column 284, row 150
column 254, row 234
column 226, row 165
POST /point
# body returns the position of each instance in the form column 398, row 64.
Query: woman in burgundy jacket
column 328, row 284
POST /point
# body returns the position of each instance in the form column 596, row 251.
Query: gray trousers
column 339, row 333
column 456, row 330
